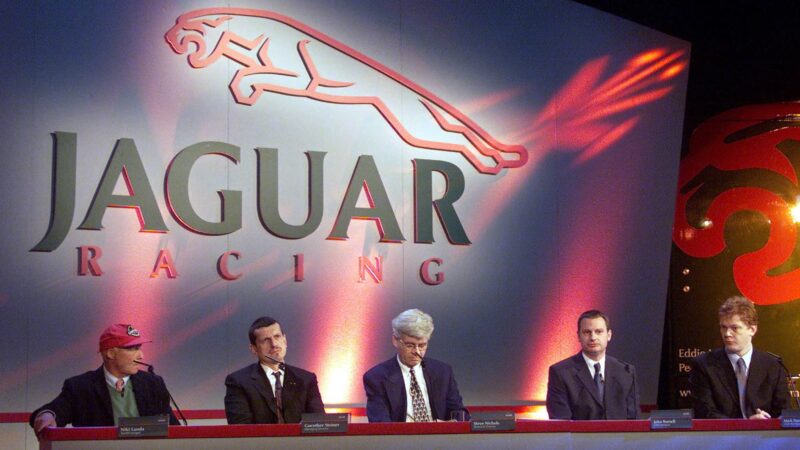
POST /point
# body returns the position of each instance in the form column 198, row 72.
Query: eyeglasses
column 411, row 346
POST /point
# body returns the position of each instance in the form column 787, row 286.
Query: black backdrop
column 743, row 53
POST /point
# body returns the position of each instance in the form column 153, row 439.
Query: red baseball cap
column 120, row 335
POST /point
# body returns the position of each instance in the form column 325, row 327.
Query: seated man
column 270, row 391
column 409, row 387
column 738, row 381
column 592, row 385
column 116, row 389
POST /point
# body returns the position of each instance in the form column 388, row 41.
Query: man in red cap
column 116, row 389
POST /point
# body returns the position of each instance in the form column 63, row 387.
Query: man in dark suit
column 409, row 387
column 116, row 389
column 270, row 391
column 592, row 385
column 738, row 381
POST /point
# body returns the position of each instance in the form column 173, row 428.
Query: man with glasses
column 738, row 381
column 409, row 387
column 270, row 391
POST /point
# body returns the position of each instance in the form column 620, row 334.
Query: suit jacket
column 386, row 391
column 715, row 393
column 572, row 394
column 84, row 400
column 249, row 397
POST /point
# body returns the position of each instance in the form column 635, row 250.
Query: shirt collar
column 269, row 370
column 111, row 380
column 733, row 357
column 406, row 370
column 590, row 362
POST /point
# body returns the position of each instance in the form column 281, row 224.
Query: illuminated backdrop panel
column 560, row 124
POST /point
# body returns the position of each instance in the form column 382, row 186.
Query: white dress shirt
column 590, row 362
column 269, row 371
column 112, row 380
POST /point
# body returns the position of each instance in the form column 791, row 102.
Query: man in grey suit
column 592, row 385
column 738, row 381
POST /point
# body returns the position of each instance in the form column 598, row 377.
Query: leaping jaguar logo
column 207, row 35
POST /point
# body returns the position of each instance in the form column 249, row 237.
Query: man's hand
column 760, row 415
column 45, row 419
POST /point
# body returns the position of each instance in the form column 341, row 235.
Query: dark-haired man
column 116, row 389
column 270, row 391
column 738, row 381
column 592, row 385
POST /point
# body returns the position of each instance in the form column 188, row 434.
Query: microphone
column 151, row 369
column 280, row 364
column 789, row 379
column 422, row 359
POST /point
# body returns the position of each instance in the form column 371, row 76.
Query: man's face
column 594, row 336
column 410, row 349
column 121, row 361
column 736, row 335
column 270, row 341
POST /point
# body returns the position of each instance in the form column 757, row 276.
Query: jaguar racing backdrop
column 189, row 166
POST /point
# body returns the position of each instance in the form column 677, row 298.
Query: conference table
column 550, row 434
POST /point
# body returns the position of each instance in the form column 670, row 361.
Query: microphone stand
column 789, row 380
column 152, row 371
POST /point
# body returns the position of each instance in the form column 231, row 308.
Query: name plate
column 493, row 421
column 671, row 419
column 147, row 426
column 790, row 418
column 318, row 423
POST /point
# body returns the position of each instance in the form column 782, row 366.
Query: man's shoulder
column 84, row 379
column 300, row 373
column 624, row 365
column 714, row 355
column 244, row 372
column 766, row 358
column 146, row 377
column 437, row 365
column 567, row 363
column 382, row 368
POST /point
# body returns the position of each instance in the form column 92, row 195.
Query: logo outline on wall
column 189, row 31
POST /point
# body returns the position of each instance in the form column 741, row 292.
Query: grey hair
column 414, row 323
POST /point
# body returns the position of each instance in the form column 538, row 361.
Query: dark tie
column 598, row 381
column 418, row 401
column 279, row 396
column 741, row 380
